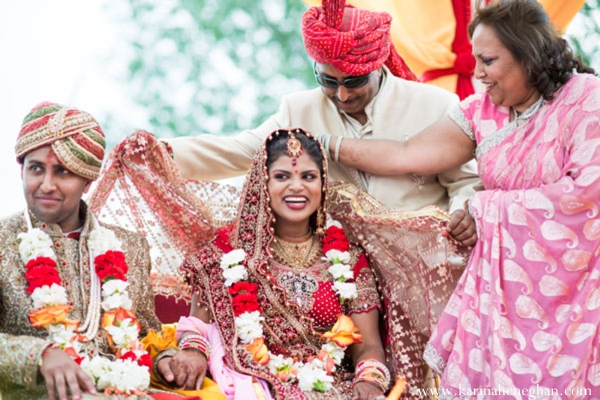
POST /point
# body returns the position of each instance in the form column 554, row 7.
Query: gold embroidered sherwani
column 20, row 344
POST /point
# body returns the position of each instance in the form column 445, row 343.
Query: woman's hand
column 367, row 391
column 185, row 370
column 59, row 371
column 462, row 228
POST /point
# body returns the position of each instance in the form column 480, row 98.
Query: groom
column 60, row 150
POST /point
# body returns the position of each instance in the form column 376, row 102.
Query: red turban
column 354, row 41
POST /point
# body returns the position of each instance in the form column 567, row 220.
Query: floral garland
column 315, row 373
column 129, row 373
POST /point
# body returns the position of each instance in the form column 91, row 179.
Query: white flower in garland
column 233, row 258
column 311, row 378
column 96, row 367
column 48, row 296
column 102, row 240
column 341, row 271
column 120, row 375
column 35, row 243
column 234, row 274
column 249, row 326
column 114, row 286
column 233, row 271
column 124, row 334
column 115, row 295
column 282, row 367
column 337, row 257
column 346, row 290
column 332, row 222
column 335, row 352
column 62, row 335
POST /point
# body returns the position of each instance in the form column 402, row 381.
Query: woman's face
column 295, row 192
column 503, row 77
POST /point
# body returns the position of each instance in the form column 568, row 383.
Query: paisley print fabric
column 524, row 315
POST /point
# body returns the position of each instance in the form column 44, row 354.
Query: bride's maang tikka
column 294, row 147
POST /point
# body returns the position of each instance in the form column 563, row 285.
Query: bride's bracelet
column 197, row 342
column 373, row 371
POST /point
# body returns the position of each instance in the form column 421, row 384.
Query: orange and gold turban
column 75, row 137
column 354, row 41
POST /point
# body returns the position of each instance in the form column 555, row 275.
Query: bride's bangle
column 197, row 342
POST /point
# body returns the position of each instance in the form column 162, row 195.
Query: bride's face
column 295, row 192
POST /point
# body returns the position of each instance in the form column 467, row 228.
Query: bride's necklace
column 296, row 255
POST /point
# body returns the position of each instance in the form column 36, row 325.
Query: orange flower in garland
column 343, row 333
column 259, row 351
column 44, row 317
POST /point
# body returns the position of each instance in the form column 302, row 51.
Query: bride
column 281, row 305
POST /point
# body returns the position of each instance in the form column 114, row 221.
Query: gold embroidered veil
column 417, row 267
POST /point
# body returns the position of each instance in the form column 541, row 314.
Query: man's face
column 351, row 101
column 52, row 192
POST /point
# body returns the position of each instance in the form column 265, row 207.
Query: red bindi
column 294, row 162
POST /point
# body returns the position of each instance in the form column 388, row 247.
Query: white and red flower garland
column 315, row 373
column 129, row 373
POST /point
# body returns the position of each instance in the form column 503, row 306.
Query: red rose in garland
column 41, row 271
column 245, row 302
column 335, row 239
column 111, row 265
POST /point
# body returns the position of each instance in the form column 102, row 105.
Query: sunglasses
column 352, row 82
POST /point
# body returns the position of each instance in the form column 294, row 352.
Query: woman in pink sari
column 523, row 319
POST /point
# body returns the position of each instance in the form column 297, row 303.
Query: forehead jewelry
column 294, row 147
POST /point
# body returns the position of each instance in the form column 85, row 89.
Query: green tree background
column 221, row 66
column 215, row 66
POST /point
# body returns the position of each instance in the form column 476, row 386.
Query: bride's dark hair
column 278, row 146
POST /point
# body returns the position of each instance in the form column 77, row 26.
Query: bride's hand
column 367, row 391
column 185, row 370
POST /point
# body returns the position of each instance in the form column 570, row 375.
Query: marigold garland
column 315, row 373
column 129, row 373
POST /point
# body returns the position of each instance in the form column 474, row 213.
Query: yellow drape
column 423, row 30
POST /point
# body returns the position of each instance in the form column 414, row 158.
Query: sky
column 65, row 51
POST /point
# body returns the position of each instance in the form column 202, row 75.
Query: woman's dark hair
column 525, row 30
column 277, row 146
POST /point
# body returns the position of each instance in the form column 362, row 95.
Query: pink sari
column 523, row 319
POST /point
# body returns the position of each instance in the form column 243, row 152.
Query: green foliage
column 583, row 34
column 216, row 66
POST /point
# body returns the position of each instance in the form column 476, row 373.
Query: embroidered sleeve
column 456, row 115
column 20, row 356
column 366, row 286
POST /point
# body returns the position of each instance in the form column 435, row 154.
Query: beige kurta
column 400, row 110
column 20, row 344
